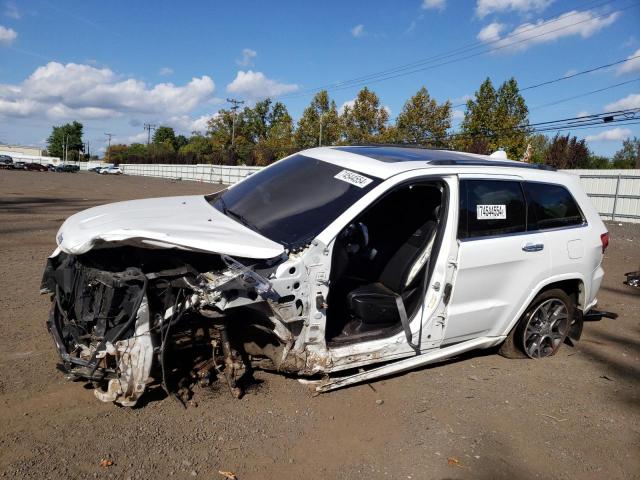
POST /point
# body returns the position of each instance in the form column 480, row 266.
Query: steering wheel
column 356, row 237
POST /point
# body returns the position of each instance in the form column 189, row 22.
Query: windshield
column 295, row 199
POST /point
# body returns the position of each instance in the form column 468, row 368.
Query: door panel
column 498, row 262
column 494, row 278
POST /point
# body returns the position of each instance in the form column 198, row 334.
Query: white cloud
column 11, row 11
column 358, row 31
column 434, row 4
column 491, row 32
column 630, row 65
column 630, row 101
column 186, row 124
column 7, row 36
column 613, row 135
column 247, row 57
column 583, row 113
column 485, row 7
column 573, row 23
column 165, row 71
column 256, row 86
column 457, row 115
column 81, row 91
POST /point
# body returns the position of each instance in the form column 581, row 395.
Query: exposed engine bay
column 177, row 318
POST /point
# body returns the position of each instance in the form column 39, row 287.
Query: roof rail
column 492, row 163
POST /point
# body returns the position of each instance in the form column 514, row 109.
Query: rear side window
column 551, row 206
column 490, row 208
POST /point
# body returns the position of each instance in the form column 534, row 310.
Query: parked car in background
column 96, row 169
column 36, row 167
column 111, row 171
column 325, row 262
column 51, row 167
column 6, row 161
column 18, row 166
column 67, row 167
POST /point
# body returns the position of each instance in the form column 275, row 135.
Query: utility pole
column 236, row 106
column 109, row 135
column 148, row 127
column 66, row 147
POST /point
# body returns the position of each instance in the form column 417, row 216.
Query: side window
column 551, row 206
column 490, row 208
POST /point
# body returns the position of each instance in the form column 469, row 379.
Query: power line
column 556, row 102
column 447, row 54
column 599, row 120
column 409, row 68
column 567, row 77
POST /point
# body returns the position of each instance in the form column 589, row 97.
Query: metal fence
column 614, row 193
column 198, row 173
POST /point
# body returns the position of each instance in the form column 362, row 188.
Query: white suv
column 335, row 258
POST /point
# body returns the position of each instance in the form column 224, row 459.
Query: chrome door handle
column 533, row 247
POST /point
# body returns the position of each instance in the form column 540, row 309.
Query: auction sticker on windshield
column 353, row 178
column 491, row 212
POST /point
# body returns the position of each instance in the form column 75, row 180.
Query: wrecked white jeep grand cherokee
column 363, row 260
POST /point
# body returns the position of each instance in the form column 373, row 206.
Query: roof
column 386, row 160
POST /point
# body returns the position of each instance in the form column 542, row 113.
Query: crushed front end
column 127, row 318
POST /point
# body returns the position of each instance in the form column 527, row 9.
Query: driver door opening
column 381, row 263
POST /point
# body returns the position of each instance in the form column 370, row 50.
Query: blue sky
column 116, row 65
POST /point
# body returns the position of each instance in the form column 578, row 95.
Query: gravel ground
column 480, row 416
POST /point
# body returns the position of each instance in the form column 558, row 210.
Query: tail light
column 604, row 238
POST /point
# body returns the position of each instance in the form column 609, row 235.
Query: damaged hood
column 188, row 222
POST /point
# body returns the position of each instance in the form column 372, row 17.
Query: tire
column 543, row 328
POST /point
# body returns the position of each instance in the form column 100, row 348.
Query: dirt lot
column 482, row 416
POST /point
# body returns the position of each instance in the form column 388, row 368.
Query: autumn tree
column 366, row 120
column 423, row 121
column 565, row 152
column 321, row 109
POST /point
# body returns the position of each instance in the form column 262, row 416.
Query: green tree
column 279, row 139
column 629, row 155
column 323, row 109
column 69, row 133
column 166, row 136
column 366, row 120
column 198, row 145
column 423, row 121
column 599, row 161
column 495, row 119
column 180, row 142
column 137, row 149
column 511, row 120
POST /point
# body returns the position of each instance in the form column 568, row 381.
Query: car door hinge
column 440, row 319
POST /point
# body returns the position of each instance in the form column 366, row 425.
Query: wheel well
column 574, row 288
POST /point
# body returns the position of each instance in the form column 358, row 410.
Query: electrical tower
column 236, row 105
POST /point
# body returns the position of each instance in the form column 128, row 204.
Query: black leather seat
column 374, row 305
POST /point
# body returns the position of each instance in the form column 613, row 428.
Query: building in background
column 20, row 150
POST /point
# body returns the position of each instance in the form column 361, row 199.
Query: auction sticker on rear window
column 353, row 178
column 491, row 212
